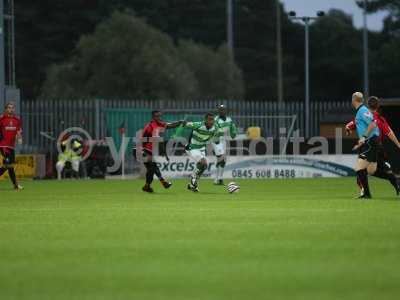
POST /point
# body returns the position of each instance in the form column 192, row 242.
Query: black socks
column 362, row 179
column 11, row 172
column 149, row 173
column 388, row 176
column 2, row 170
column 152, row 169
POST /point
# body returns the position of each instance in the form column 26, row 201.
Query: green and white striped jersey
column 227, row 126
column 201, row 135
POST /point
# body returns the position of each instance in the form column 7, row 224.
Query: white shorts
column 197, row 154
column 220, row 148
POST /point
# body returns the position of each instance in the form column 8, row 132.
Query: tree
column 204, row 21
column 255, row 49
column 124, row 58
column 216, row 73
column 127, row 58
column 392, row 21
column 335, row 58
column 48, row 33
column 385, row 70
column 336, row 49
column 393, row 6
column 385, row 57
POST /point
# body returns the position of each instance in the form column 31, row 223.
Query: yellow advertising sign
column 25, row 166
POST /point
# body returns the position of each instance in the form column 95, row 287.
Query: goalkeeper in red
column 10, row 132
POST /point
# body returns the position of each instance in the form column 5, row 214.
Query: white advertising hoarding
column 266, row 167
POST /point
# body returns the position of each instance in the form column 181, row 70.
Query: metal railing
column 47, row 118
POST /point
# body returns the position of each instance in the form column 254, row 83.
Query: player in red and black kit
column 152, row 130
column 384, row 169
column 10, row 131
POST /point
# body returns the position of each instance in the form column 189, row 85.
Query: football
column 233, row 187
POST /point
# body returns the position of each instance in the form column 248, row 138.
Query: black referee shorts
column 369, row 151
column 8, row 156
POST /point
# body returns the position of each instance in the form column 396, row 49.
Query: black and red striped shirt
column 152, row 130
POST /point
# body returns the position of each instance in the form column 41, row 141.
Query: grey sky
column 309, row 7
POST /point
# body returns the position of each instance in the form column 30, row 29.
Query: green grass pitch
column 276, row 239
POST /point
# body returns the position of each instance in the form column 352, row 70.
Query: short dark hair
column 208, row 115
column 7, row 104
column 373, row 102
column 155, row 112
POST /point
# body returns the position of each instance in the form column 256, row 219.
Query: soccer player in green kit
column 202, row 134
column 227, row 126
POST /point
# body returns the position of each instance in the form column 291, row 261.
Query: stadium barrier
column 28, row 167
column 266, row 167
column 45, row 119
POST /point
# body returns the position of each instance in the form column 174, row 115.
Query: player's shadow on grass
column 208, row 193
column 189, row 193
column 6, row 189
column 179, row 193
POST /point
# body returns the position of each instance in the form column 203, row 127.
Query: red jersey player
column 384, row 169
column 10, row 131
column 152, row 130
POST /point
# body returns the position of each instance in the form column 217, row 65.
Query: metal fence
column 43, row 119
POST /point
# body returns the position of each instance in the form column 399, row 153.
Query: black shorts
column 8, row 156
column 368, row 151
column 146, row 155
